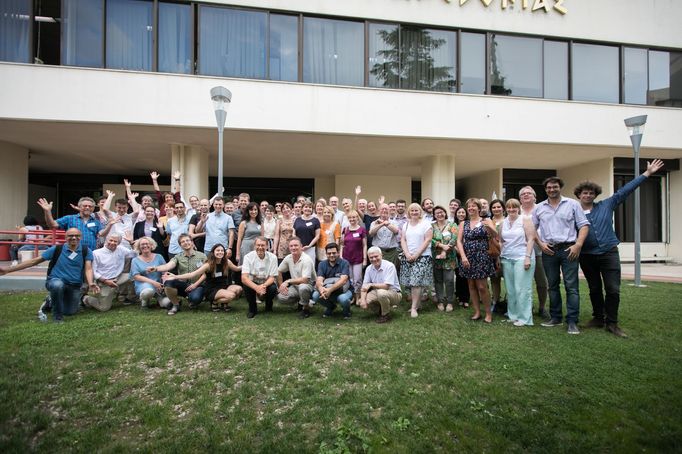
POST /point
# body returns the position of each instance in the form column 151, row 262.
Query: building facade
column 409, row 98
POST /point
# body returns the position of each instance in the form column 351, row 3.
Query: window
column 283, row 47
column 634, row 75
column 129, row 34
column 175, row 38
column 595, row 73
column 651, row 227
column 333, row 51
column 82, row 33
column 516, row 66
column 428, row 59
column 473, row 63
column 232, row 42
column 15, row 23
column 46, row 31
column 665, row 79
column 384, row 55
column 555, row 64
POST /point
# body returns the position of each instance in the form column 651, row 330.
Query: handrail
column 46, row 238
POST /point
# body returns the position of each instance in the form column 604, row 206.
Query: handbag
column 494, row 248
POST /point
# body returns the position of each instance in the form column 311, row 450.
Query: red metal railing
column 41, row 238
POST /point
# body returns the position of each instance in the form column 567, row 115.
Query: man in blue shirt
column 562, row 228
column 85, row 221
column 64, row 280
column 599, row 258
column 333, row 282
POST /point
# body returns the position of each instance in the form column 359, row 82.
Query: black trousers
column 602, row 273
column 270, row 294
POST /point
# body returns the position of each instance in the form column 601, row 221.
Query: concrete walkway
column 34, row 278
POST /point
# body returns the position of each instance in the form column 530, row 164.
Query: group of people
column 364, row 253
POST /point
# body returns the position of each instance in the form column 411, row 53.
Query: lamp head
column 221, row 98
column 635, row 125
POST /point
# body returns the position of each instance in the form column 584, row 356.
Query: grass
column 131, row 380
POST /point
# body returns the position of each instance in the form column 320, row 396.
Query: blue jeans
column 65, row 297
column 194, row 297
column 604, row 267
column 554, row 266
column 340, row 297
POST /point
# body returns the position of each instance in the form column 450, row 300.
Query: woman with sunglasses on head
column 477, row 265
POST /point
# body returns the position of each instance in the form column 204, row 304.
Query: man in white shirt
column 125, row 222
column 299, row 288
column 259, row 270
column 380, row 285
column 107, row 267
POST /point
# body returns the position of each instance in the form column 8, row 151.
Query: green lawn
column 129, row 380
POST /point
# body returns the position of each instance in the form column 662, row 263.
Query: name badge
column 217, row 274
column 308, row 224
column 356, row 235
column 72, row 256
column 90, row 224
column 153, row 229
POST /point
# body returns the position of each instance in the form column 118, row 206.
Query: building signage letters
column 533, row 5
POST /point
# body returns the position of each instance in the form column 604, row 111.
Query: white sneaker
column 413, row 313
column 519, row 323
column 14, row 263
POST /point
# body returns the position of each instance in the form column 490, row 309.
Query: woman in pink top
column 354, row 249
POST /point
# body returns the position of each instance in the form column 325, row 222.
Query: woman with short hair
column 353, row 247
column 143, row 272
column 307, row 229
column 284, row 232
column 443, row 246
column 518, row 263
column 330, row 232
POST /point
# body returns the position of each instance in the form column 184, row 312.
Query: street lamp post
column 221, row 98
column 635, row 127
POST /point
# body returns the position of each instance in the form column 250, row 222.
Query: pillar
column 13, row 185
column 438, row 179
column 192, row 162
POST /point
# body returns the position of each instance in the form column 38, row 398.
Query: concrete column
column 13, row 185
column 192, row 162
column 438, row 179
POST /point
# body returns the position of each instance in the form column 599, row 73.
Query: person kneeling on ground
column 147, row 282
column 299, row 287
column 216, row 283
column 107, row 266
column 188, row 261
column 259, row 270
column 68, row 263
column 380, row 285
column 333, row 282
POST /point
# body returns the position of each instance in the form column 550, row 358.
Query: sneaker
column 14, row 263
column 572, row 328
column 614, row 329
column 413, row 313
column 46, row 307
column 42, row 316
column 448, row 308
column 173, row 310
column 551, row 322
column 441, row 307
column 383, row 319
column 250, row 315
column 305, row 313
column 519, row 323
column 595, row 323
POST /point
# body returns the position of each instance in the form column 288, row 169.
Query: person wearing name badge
column 354, row 249
column 330, row 232
column 85, row 221
column 217, row 289
column 443, row 246
column 152, row 228
column 147, row 282
column 416, row 263
column 219, row 228
column 259, row 272
column 298, row 289
column 307, row 229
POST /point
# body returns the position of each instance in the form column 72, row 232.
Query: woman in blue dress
column 477, row 265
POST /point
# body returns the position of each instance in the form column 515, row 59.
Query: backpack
column 58, row 252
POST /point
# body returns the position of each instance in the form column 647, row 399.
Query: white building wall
column 95, row 95
column 13, row 185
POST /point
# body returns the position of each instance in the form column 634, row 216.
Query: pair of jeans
column 65, row 297
column 194, row 298
column 556, row 265
column 444, row 282
column 518, row 280
column 338, row 297
column 605, row 268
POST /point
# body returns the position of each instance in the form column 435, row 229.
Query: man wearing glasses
column 65, row 273
column 84, row 221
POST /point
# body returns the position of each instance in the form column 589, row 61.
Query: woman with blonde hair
column 283, row 232
column 319, row 208
column 477, row 265
column 307, row 229
column 416, row 264
column 353, row 247
column 330, row 232
column 143, row 272
column 518, row 263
